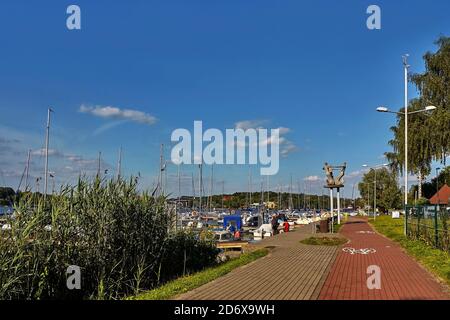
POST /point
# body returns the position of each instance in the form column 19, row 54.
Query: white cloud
column 51, row 152
column 286, row 146
column 108, row 126
column 312, row 178
column 117, row 113
column 249, row 124
column 357, row 173
column 284, row 130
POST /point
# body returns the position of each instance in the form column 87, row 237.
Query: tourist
column 274, row 224
column 286, row 226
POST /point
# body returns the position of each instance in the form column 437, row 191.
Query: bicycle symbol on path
column 359, row 251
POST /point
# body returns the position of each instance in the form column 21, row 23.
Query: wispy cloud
column 357, row 174
column 312, row 178
column 110, row 112
column 51, row 152
column 286, row 146
column 249, row 124
column 108, row 126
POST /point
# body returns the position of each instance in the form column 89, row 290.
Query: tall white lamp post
column 375, row 186
column 406, row 113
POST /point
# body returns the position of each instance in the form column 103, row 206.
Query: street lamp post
column 437, row 186
column 406, row 113
column 375, row 186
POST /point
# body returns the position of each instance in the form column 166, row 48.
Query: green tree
column 6, row 196
column 420, row 147
column 429, row 188
column 434, row 88
column 428, row 134
column 389, row 195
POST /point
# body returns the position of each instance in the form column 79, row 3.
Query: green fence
column 429, row 224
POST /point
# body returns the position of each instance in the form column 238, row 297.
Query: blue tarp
column 233, row 220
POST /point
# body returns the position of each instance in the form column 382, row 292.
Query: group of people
column 235, row 231
column 276, row 221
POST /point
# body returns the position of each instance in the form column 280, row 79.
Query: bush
column 119, row 238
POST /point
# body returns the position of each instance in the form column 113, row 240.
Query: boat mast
column 27, row 170
column 161, row 169
column 179, row 198
column 247, row 203
column 250, row 187
column 262, row 192
column 47, row 138
column 200, row 182
column 223, row 191
column 279, row 196
column 119, row 164
column 99, row 163
column 193, row 191
column 290, row 195
column 211, row 188
column 261, row 207
column 304, row 196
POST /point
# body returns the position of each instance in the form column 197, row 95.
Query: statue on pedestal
column 332, row 182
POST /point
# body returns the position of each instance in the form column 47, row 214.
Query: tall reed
column 120, row 238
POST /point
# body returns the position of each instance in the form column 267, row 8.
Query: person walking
column 274, row 223
column 286, row 225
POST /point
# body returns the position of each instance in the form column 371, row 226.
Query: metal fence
column 429, row 224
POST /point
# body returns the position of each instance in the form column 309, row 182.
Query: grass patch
column 324, row 241
column 435, row 260
column 188, row 283
column 337, row 227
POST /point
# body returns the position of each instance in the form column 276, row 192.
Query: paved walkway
column 401, row 277
column 292, row 271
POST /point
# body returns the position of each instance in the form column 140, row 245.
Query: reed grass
column 120, row 238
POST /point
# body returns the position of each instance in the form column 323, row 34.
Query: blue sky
column 310, row 66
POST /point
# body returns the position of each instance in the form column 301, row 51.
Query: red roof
column 444, row 195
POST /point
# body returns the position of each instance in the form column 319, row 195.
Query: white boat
column 223, row 236
column 264, row 230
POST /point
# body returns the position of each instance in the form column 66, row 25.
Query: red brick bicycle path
column 402, row 278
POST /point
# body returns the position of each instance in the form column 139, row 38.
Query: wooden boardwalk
column 402, row 278
column 291, row 271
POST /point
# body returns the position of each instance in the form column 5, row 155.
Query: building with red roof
column 442, row 196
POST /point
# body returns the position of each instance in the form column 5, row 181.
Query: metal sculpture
column 332, row 182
